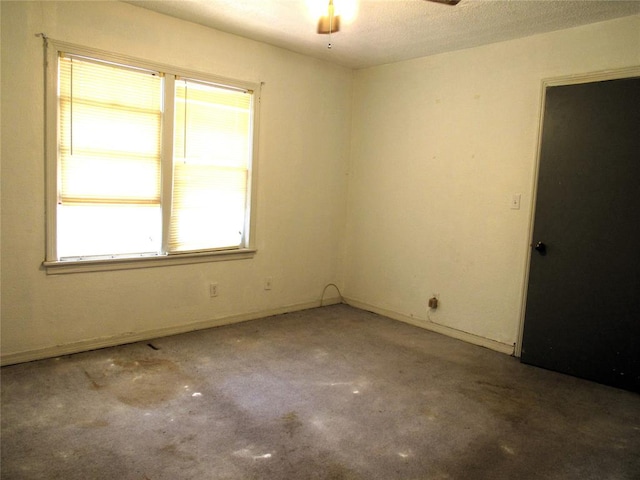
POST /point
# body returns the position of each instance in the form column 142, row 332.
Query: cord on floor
column 325, row 290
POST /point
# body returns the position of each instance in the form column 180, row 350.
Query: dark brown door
column 582, row 313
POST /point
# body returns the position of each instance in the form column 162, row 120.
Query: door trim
column 599, row 76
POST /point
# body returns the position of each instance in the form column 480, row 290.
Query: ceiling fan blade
column 445, row 2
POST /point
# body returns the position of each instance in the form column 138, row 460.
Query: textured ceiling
column 386, row 31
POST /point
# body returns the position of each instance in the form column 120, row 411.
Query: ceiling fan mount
column 330, row 23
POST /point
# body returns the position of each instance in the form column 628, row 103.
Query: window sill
column 103, row 265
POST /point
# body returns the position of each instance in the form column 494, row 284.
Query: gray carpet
column 330, row 393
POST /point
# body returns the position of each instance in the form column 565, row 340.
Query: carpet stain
column 173, row 450
column 291, row 423
column 95, row 424
column 336, row 471
column 502, row 400
column 141, row 383
column 94, row 384
column 429, row 414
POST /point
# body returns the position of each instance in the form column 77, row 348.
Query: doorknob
column 541, row 248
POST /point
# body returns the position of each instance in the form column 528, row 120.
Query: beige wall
column 433, row 149
column 439, row 146
column 301, row 185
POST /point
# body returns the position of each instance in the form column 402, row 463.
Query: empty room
column 299, row 239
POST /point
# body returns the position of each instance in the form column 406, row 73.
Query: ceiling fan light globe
column 328, row 24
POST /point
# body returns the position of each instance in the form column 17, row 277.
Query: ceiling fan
column 330, row 23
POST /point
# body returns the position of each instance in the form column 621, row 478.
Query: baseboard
column 122, row 339
column 435, row 327
column 94, row 344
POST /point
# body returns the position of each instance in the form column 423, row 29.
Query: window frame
column 143, row 260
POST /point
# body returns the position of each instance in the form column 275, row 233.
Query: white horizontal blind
column 212, row 152
column 110, row 120
column 109, row 158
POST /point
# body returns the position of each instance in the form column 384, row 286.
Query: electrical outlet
column 515, row 201
column 433, row 302
column 268, row 283
column 213, row 289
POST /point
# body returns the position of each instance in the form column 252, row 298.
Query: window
column 109, row 160
column 147, row 162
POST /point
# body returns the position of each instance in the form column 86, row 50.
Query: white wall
column 439, row 145
column 436, row 148
column 301, row 186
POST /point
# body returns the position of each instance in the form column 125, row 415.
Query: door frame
column 599, row 76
